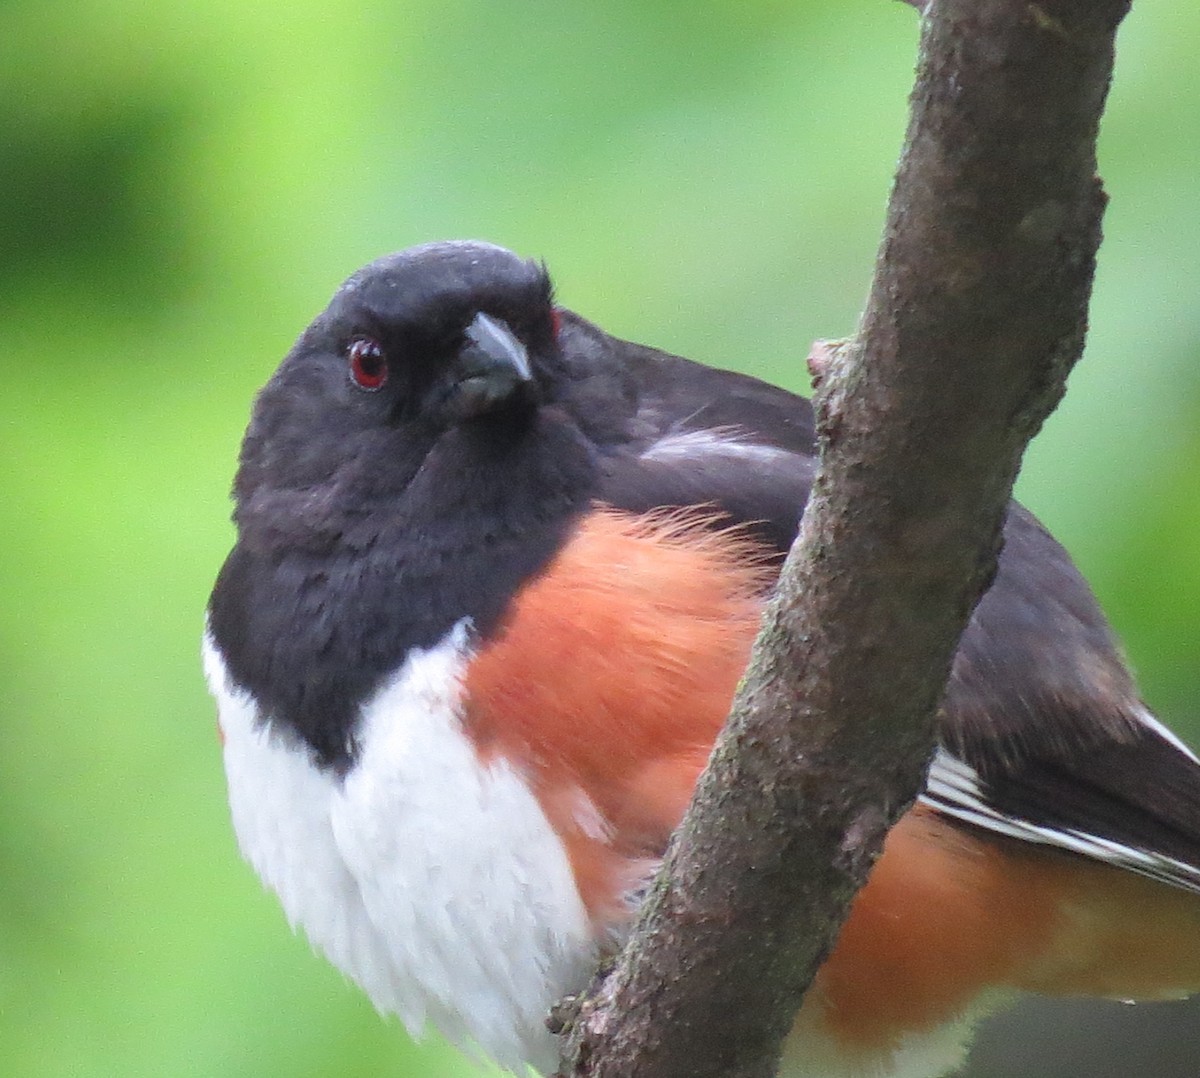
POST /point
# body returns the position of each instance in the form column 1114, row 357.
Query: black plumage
column 371, row 523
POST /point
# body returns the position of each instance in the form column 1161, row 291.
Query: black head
column 412, row 461
column 418, row 342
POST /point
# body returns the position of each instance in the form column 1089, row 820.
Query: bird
column 495, row 578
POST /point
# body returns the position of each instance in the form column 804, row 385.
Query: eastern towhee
column 495, row 580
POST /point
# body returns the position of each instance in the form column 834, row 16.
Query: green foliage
column 181, row 187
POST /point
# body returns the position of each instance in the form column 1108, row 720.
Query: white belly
column 437, row 884
column 432, row 880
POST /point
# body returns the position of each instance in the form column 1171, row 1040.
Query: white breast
column 432, row 880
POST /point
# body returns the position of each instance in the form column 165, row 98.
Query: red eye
column 368, row 364
column 555, row 321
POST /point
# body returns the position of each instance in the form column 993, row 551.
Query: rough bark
column 976, row 314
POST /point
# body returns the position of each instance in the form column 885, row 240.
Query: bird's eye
column 555, row 321
column 368, row 364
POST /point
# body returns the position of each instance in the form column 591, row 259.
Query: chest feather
column 429, row 876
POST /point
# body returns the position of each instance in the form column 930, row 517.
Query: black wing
column 677, row 433
column 1043, row 736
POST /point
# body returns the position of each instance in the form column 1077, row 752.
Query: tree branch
column 976, row 314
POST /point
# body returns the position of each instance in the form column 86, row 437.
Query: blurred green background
column 183, row 185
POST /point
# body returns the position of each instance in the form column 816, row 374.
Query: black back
column 367, row 528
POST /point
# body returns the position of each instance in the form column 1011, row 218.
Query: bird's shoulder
column 672, row 432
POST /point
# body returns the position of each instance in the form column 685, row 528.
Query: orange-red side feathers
column 607, row 685
column 949, row 912
column 612, row 675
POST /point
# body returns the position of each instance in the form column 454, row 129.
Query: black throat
column 329, row 588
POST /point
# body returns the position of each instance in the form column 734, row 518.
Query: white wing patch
column 955, row 789
column 1148, row 720
column 433, row 881
column 720, row 442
